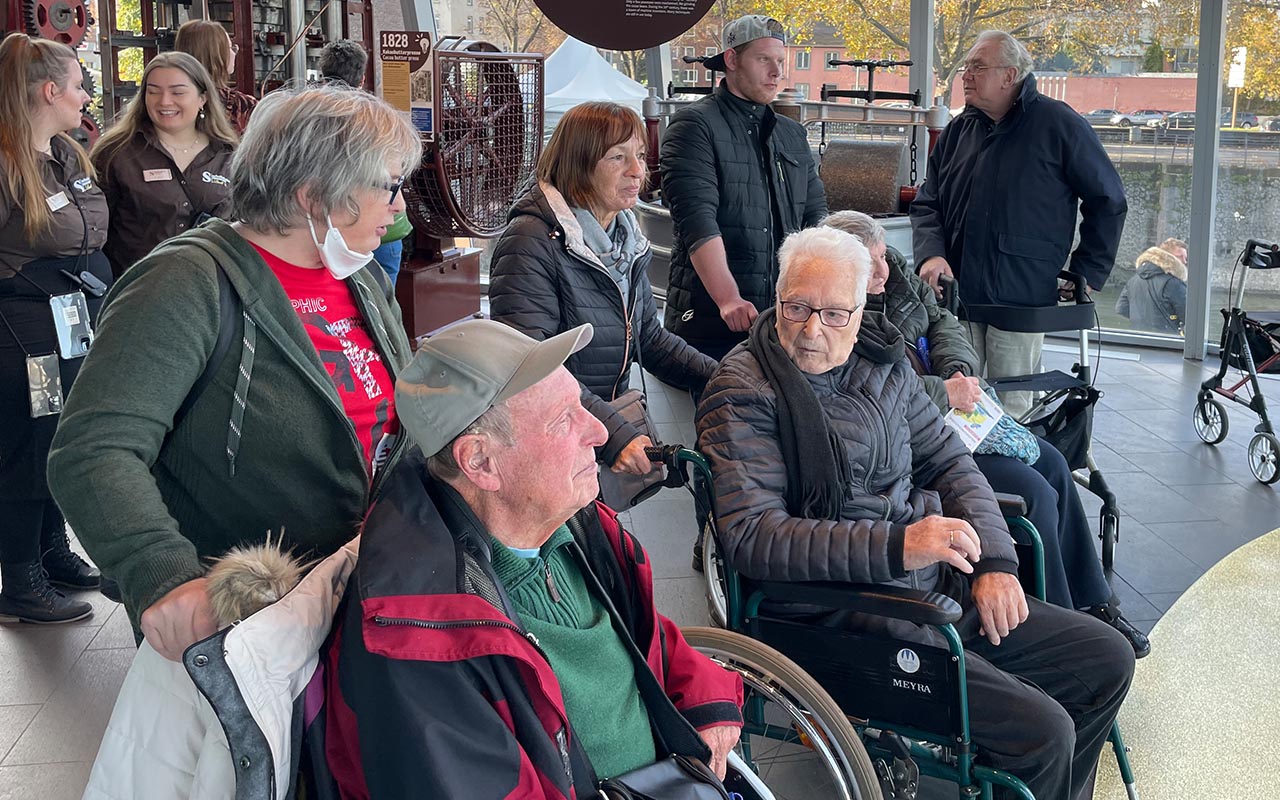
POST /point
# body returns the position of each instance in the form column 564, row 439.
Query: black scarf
column 814, row 456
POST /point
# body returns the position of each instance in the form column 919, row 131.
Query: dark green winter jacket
column 151, row 503
column 911, row 306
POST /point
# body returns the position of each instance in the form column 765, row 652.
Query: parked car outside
column 1244, row 119
column 1100, row 116
column 1273, row 124
column 1176, row 120
column 1139, row 117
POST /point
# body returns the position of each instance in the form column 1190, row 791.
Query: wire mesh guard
column 488, row 139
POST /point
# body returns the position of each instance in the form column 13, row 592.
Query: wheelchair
column 907, row 701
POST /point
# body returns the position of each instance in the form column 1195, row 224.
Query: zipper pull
column 534, row 639
column 551, row 583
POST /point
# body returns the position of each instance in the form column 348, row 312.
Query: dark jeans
column 1072, row 571
column 27, row 529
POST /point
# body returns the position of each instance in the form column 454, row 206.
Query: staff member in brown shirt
column 53, row 222
column 209, row 42
column 166, row 164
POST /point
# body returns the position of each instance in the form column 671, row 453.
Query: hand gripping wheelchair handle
column 896, row 602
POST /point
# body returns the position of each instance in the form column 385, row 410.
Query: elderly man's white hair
column 827, row 246
column 1012, row 52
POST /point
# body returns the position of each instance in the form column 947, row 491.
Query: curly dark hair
column 344, row 60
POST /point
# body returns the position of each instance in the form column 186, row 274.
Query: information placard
column 625, row 24
column 407, row 79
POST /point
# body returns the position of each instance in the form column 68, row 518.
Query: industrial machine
column 487, row 141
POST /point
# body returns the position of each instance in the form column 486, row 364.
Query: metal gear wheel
column 65, row 21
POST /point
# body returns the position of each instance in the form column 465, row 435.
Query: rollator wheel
column 1264, row 458
column 1210, row 418
column 713, row 574
column 796, row 738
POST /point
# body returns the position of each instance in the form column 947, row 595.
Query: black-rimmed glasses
column 831, row 317
column 391, row 186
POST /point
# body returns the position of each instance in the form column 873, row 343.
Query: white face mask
column 341, row 261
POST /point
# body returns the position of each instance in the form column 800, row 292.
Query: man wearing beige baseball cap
column 480, row 653
column 738, row 179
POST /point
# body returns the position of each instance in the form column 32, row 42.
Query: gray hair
column 496, row 422
column 864, row 226
column 325, row 141
column 343, row 60
column 827, row 246
column 1012, row 52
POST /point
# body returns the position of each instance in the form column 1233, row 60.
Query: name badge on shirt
column 152, row 175
column 57, row 201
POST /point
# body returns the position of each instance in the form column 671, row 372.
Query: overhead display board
column 625, row 24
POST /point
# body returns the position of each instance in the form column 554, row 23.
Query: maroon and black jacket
column 433, row 688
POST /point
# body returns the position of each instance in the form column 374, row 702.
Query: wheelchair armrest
column 1011, row 505
column 912, row 605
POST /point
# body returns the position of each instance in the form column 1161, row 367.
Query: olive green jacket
column 151, row 503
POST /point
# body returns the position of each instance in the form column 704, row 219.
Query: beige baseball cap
column 468, row 368
column 743, row 30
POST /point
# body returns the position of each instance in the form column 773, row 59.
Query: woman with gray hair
column 241, row 383
column 946, row 362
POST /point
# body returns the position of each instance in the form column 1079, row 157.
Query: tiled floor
column 1185, row 505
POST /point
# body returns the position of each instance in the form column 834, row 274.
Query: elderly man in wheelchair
column 831, row 464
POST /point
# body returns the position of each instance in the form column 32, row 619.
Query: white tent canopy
column 576, row 73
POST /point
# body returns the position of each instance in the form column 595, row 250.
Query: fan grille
column 488, row 139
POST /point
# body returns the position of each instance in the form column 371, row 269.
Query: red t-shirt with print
column 332, row 320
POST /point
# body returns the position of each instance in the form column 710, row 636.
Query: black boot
column 65, row 568
column 27, row 596
column 1111, row 615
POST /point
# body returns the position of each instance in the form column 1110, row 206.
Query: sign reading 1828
column 625, row 24
column 407, row 79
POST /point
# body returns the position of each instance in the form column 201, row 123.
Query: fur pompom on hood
column 248, row 578
column 1166, row 261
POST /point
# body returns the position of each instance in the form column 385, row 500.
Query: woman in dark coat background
column 574, row 253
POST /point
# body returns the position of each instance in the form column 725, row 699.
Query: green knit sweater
column 150, row 504
column 594, row 669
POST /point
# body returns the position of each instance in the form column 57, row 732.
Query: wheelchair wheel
column 1210, row 419
column 796, row 738
column 713, row 574
column 1264, row 458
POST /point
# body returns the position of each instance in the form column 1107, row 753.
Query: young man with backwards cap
column 738, row 178
column 500, row 622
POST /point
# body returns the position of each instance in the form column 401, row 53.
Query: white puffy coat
column 165, row 741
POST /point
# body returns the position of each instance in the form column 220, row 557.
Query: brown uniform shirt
column 68, row 191
column 152, row 200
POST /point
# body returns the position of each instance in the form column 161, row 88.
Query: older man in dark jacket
column 831, row 463
column 738, row 178
column 999, row 204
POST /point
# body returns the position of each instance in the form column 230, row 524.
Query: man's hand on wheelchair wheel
column 935, row 539
column 721, row 740
column 1001, row 604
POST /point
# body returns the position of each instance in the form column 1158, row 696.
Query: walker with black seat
column 1251, row 344
column 1063, row 412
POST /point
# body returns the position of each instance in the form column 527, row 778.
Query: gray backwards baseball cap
column 743, row 30
column 468, row 368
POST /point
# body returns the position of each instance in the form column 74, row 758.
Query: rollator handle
column 1261, row 254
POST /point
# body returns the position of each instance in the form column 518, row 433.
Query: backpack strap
column 228, row 310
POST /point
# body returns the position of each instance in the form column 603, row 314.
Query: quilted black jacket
column 905, row 465
column 715, row 183
column 545, row 280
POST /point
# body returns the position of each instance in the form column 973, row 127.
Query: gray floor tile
column 1145, row 625
column 666, row 527
column 1253, row 509
column 683, row 600
column 70, row 726
column 35, row 659
column 1163, row 601
column 1176, row 469
column 44, row 781
column 116, row 632
column 1149, row 564
column 1147, row 500
column 13, row 721
column 1109, row 460
column 1134, row 605
column 1125, row 436
column 1170, row 424
column 1205, row 543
